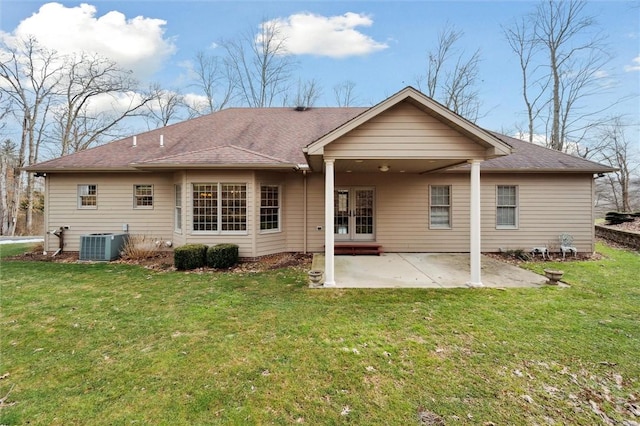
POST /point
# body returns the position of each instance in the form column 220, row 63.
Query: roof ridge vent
column 301, row 108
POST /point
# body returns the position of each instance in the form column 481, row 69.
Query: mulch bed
column 163, row 261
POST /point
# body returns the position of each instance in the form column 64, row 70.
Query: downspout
column 304, row 211
column 304, row 168
column 47, row 191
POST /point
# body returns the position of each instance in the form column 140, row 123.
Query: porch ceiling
column 394, row 165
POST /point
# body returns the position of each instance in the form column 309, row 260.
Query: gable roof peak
column 426, row 104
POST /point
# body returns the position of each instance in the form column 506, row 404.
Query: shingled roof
column 254, row 137
column 269, row 138
column 529, row 157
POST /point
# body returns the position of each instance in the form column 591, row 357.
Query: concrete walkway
column 423, row 270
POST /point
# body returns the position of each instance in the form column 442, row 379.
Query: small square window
column 87, row 196
column 142, row 196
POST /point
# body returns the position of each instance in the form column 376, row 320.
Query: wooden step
column 357, row 248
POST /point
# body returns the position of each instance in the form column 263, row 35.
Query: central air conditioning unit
column 102, row 247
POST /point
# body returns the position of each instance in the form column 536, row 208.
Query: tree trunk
column 14, row 204
column 29, row 211
column 556, row 143
column 4, row 213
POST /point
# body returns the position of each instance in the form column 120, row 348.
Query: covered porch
column 407, row 138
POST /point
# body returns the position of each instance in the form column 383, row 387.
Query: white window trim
column 279, row 228
column 517, row 209
column 450, row 225
column 218, row 186
column 79, row 203
column 135, row 197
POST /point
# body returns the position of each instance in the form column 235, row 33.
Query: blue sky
column 396, row 34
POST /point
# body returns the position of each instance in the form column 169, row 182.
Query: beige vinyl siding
column 546, row 209
column 548, row 205
column 269, row 241
column 404, row 131
column 402, row 211
column 293, row 211
column 114, row 209
column 315, row 212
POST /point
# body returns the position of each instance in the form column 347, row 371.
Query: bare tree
column 214, row 77
column 165, row 106
column 70, row 101
column 561, row 62
column 307, row 93
column 29, row 77
column 7, row 175
column 618, row 151
column 90, row 79
column 461, row 93
column 344, row 93
column 260, row 65
column 452, row 75
column 521, row 41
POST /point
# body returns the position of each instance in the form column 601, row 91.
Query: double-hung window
column 440, row 207
column 87, row 196
column 219, row 207
column 142, row 196
column 506, row 207
column 233, row 200
column 205, row 207
column 269, row 208
column 178, row 208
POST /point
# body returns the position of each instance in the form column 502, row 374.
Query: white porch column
column 474, row 226
column 329, row 278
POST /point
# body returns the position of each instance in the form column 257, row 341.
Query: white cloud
column 635, row 66
column 137, row 44
column 335, row 36
column 112, row 103
column 541, row 140
column 195, row 101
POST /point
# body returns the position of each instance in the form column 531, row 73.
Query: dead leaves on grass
column 3, row 400
column 603, row 393
column 428, row 418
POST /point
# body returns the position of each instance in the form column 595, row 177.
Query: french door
column 354, row 210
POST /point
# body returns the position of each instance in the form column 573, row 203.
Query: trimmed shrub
column 190, row 256
column 222, row 256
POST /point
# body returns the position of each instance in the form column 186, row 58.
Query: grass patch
column 116, row 344
column 7, row 250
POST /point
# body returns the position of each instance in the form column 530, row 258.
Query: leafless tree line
column 68, row 103
column 58, row 101
column 562, row 60
column 452, row 76
column 52, row 99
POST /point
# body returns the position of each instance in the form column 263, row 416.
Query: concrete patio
column 424, row 270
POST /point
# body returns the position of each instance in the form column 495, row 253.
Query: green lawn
column 119, row 344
